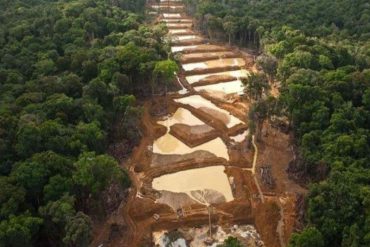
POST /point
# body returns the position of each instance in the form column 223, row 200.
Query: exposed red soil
column 139, row 215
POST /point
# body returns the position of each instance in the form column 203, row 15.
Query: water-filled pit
column 179, row 25
column 178, row 31
column 231, row 87
column 166, row 7
column 177, row 20
column 184, row 37
column 216, row 63
column 182, row 48
column 242, row 73
column 192, row 182
column 171, row 15
column 170, row 145
column 204, row 105
column 200, row 55
column 182, row 116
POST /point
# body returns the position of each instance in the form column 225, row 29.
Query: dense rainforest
column 323, row 69
column 70, row 74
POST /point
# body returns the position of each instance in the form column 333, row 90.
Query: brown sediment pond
column 230, row 87
column 205, row 56
column 199, row 48
column 207, row 106
column 178, row 25
column 180, row 31
column 216, row 63
column 194, row 181
column 168, row 144
column 172, row 15
column 241, row 73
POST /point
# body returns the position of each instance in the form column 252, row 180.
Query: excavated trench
column 193, row 173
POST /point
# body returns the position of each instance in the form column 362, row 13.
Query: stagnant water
column 166, row 7
column 179, row 25
column 241, row 73
column 178, row 20
column 170, row 145
column 172, row 15
column 231, row 87
column 182, row 116
column 199, row 55
column 184, row 37
column 178, row 31
column 175, row 49
column 216, row 63
column 204, row 105
column 199, row 179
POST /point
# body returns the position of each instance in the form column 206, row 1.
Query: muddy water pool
column 203, row 104
column 182, row 48
column 169, row 145
column 208, row 178
column 171, row 15
column 182, row 116
column 232, row 87
column 216, row 63
column 242, row 73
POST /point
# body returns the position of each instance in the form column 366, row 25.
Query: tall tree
column 255, row 85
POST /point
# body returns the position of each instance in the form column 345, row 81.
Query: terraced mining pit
column 195, row 178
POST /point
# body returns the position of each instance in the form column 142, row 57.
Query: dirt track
column 272, row 211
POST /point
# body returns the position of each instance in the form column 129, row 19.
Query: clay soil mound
column 193, row 135
column 195, row 157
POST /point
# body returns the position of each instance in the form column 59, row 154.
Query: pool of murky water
column 170, row 145
column 179, row 25
column 212, row 178
column 178, row 31
column 235, row 73
column 205, row 105
column 171, row 15
column 182, row 116
column 199, row 55
column 216, row 63
column 182, row 48
column 184, row 37
column 183, row 20
column 179, row 7
column 231, row 87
